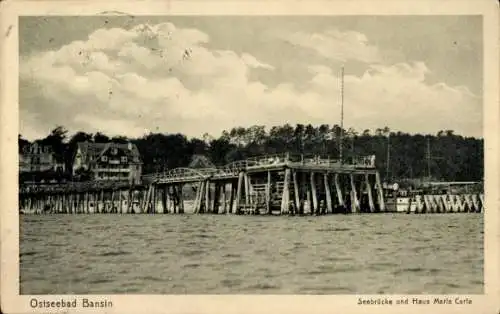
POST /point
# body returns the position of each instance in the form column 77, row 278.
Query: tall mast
column 341, row 114
column 429, row 158
column 387, row 170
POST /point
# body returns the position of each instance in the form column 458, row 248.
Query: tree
column 22, row 143
column 218, row 151
column 461, row 158
column 55, row 140
column 101, row 138
column 119, row 139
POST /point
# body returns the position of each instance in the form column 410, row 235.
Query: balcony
column 112, row 170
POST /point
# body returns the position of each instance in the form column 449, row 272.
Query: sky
column 126, row 75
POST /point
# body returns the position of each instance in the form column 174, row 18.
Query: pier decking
column 278, row 184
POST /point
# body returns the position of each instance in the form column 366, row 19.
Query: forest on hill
column 443, row 156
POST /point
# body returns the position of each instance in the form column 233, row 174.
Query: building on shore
column 107, row 162
column 39, row 163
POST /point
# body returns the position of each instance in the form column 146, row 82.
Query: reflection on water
column 208, row 254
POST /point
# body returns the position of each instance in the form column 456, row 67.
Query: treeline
column 444, row 156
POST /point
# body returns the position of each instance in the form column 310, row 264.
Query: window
column 104, row 158
column 124, row 158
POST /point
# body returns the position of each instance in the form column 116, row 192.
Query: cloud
column 336, row 45
column 161, row 77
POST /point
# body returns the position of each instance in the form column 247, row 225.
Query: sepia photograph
column 259, row 154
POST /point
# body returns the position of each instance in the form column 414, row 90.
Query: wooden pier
column 278, row 184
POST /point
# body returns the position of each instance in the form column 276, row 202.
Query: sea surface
column 228, row 254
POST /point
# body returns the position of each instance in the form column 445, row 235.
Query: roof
column 94, row 150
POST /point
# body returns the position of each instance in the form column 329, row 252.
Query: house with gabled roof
column 108, row 161
column 38, row 163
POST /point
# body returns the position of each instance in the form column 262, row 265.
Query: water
column 208, row 254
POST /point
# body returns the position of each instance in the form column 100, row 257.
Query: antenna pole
column 388, row 156
column 429, row 158
column 341, row 114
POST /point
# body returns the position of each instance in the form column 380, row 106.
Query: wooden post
column 120, row 202
column 77, row 197
column 268, row 193
column 150, row 200
column 215, row 201
column 238, row 192
column 369, row 191
column 223, row 197
column 76, row 202
column 61, row 203
column 168, row 200
column 154, row 206
column 329, row 208
column 354, row 196
column 314, row 207
column 101, row 201
column 296, row 192
column 308, row 195
column 201, row 191
column 207, row 196
column 175, row 199
column 285, row 198
column 380, row 192
column 181, row 200
column 231, row 198
column 338, row 188
column 130, row 196
column 112, row 202
column 247, row 191
column 197, row 199
column 164, row 199
column 89, row 201
column 67, row 202
column 85, row 202
column 28, row 202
